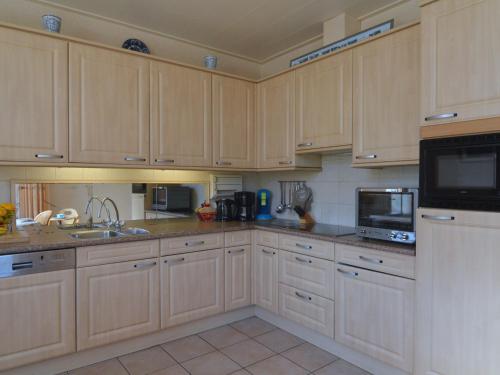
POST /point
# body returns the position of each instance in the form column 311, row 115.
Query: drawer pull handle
column 373, row 156
column 308, row 144
column 133, row 158
column 48, row 156
column 438, row 218
column 195, row 243
column 371, row 260
column 441, row 116
column 268, row 252
column 302, row 260
column 305, row 247
column 348, row 273
column 174, row 260
column 144, row 265
column 21, row 266
column 236, row 251
column 169, row 161
column 289, row 162
column 303, row 296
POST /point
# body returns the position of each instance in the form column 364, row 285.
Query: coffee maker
column 225, row 210
column 245, row 205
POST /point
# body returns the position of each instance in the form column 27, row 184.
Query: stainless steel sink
column 96, row 234
column 136, row 231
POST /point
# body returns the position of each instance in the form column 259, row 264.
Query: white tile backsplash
column 333, row 187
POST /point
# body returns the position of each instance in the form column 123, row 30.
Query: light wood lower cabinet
column 117, row 301
column 238, row 277
column 265, row 278
column 192, row 286
column 458, row 284
column 374, row 314
column 37, row 317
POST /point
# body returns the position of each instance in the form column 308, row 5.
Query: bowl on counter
column 206, row 216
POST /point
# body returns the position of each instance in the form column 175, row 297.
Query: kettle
column 225, row 210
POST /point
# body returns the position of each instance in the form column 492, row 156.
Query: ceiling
column 256, row 29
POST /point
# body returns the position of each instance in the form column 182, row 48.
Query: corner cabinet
column 181, row 116
column 386, row 99
column 233, row 122
column 33, row 97
column 109, row 106
column 460, row 54
column 323, row 104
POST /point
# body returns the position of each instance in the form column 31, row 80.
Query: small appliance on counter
column 264, row 205
column 245, row 205
column 226, row 210
column 387, row 213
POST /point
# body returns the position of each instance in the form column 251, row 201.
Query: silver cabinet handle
column 133, row 158
column 305, row 247
column 174, row 260
column 289, row 162
column 302, row 260
column 303, row 296
column 236, row 251
column 439, row 218
column 145, row 265
column 169, row 161
column 268, row 252
column 222, row 162
column 308, row 144
column 441, row 116
column 348, row 273
column 48, row 156
column 371, row 260
column 372, row 156
column 195, row 243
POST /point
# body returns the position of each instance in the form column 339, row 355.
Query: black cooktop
column 319, row 229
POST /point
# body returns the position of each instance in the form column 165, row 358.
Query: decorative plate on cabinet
column 136, row 45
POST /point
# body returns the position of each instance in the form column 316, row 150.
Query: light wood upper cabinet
column 238, row 277
column 324, row 104
column 181, row 116
column 109, row 106
column 386, row 96
column 460, row 55
column 374, row 314
column 457, row 315
column 33, row 97
column 265, row 278
column 38, row 317
column 233, row 122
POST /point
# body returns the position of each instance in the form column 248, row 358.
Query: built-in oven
column 461, row 173
column 386, row 213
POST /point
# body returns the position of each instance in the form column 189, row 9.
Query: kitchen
column 357, row 272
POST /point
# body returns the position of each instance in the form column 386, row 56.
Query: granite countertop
column 51, row 237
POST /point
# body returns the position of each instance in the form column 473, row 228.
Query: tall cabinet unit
column 386, row 115
column 323, row 104
column 181, row 116
column 109, row 106
column 33, row 97
column 233, row 122
column 457, row 322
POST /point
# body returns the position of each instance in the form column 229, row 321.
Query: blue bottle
column 264, row 205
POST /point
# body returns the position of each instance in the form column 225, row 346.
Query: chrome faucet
column 117, row 223
column 90, row 221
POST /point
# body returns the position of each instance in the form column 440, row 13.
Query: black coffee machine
column 226, row 210
column 245, row 205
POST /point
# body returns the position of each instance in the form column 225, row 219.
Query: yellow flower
column 3, row 212
column 8, row 206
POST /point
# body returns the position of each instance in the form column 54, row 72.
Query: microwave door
column 388, row 211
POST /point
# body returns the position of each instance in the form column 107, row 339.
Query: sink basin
column 96, row 234
column 136, row 231
column 81, row 226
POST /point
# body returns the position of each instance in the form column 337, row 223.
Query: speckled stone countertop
column 51, row 237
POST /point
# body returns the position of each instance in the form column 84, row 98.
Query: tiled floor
column 250, row 346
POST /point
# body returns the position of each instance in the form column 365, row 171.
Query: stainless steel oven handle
column 441, row 116
column 438, row 217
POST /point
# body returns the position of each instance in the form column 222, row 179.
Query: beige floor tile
column 276, row 365
column 223, row 336
column 187, row 348
column 110, row 367
column 147, row 361
column 253, row 326
column 247, row 352
column 241, row 372
column 211, row 364
column 174, row 370
column 309, row 356
column 278, row 340
column 341, row 367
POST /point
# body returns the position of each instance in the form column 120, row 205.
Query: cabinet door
column 38, row 317
column 374, row 314
column 192, row 286
column 460, row 54
column 33, row 97
column 458, row 285
column 276, row 125
column 238, row 277
column 386, row 99
column 265, row 280
column 324, row 103
column 109, row 106
column 233, row 122
column 117, row 301
column 181, row 116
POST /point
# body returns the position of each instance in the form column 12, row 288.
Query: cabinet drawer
column 307, row 273
column 307, row 246
column 191, row 243
column 306, row 309
column 395, row 264
column 238, row 238
column 265, row 238
column 114, row 253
